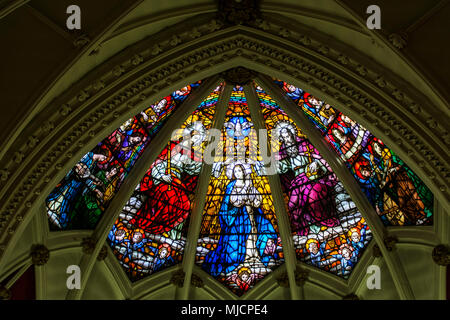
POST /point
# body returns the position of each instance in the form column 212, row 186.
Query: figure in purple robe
column 308, row 181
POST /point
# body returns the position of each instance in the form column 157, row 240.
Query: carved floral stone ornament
column 196, row 281
column 39, row 254
column 178, row 278
column 235, row 12
column 81, row 41
column 102, row 254
column 88, row 245
column 238, row 76
column 390, row 242
column 301, row 275
column 398, row 40
column 283, row 280
column 441, row 255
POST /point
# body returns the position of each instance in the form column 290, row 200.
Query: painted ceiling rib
column 200, row 200
column 149, row 155
column 277, row 197
column 378, row 230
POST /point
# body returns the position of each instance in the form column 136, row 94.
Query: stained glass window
column 239, row 242
column 151, row 231
column 82, row 196
column 394, row 190
column 328, row 230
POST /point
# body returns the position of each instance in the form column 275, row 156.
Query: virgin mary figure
column 244, row 229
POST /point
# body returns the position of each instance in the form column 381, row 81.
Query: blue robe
column 235, row 229
column 74, row 188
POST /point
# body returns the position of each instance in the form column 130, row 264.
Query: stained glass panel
column 239, row 242
column 151, row 231
column 82, row 196
column 328, row 230
column 394, row 190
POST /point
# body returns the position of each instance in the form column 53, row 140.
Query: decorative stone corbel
column 390, row 242
column 81, row 41
column 283, row 280
column 178, row 278
column 376, row 251
column 441, row 255
column 102, row 254
column 5, row 293
column 399, row 40
column 301, row 275
column 196, row 281
column 39, row 254
column 88, row 245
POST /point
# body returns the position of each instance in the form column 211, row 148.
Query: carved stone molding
column 88, row 245
column 238, row 76
column 235, row 12
column 142, row 74
column 177, row 278
column 39, row 254
column 196, row 281
column 441, row 255
column 5, row 293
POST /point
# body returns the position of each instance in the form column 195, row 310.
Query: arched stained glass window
column 82, row 196
column 239, row 242
column 394, row 190
column 328, row 230
column 151, row 231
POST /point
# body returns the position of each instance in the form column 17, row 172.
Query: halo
column 195, row 126
column 311, row 240
column 244, row 269
column 230, row 168
column 283, row 124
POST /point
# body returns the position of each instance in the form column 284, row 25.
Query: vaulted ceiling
column 42, row 63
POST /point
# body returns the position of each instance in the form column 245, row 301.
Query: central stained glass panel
column 239, row 242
